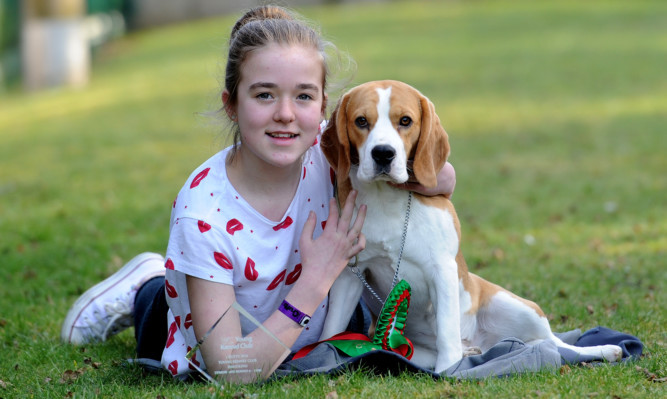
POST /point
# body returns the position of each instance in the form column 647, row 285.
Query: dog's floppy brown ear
column 432, row 147
column 336, row 143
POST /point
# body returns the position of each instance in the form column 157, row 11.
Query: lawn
column 556, row 113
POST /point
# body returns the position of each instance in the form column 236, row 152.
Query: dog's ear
column 335, row 141
column 432, row 147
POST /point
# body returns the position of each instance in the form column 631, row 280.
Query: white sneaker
column 108, row 307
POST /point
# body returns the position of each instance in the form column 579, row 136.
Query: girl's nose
column 285, row 112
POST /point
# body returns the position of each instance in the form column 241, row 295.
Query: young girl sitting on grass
column 255, row 224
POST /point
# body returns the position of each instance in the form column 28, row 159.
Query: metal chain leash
column 403, row 237
column 356, row 271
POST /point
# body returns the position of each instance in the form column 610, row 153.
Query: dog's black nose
column 383, row 155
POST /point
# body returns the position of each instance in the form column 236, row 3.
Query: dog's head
column 390, row 130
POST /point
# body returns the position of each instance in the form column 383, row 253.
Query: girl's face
column 280, row 103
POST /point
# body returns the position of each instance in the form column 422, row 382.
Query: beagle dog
column 387, row 131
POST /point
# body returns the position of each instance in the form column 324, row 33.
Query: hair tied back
column 259, row 14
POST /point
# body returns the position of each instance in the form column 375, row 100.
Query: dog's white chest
column 430, row 236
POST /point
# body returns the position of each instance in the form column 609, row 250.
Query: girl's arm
column 446, row 183
column 323, row 259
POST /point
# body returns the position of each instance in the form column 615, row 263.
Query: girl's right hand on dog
column 324, row 258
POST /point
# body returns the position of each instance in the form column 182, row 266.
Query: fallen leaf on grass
column 650, row 376
column 69, row 376
column 332, row 395
column 610, row 310
column 590, row 309
column 93, row 364
column 565, row 369
column 4, row 385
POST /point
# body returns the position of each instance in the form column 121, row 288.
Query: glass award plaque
column 240, row 360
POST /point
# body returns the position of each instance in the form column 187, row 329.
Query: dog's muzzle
column 383, row 155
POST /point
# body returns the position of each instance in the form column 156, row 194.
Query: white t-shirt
column 217, row 236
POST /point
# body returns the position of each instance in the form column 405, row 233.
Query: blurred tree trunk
column 54, row 44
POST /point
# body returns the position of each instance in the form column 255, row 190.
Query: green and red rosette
column 388, row 331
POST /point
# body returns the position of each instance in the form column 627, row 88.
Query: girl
column 255, row 224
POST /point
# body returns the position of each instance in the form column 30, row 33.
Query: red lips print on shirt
column 200, row 176
column 172, row 330
column 170, row 289
column 276, row 281
column 284, row 224
column 203, row 226
column 233, row 226
column 222, row 260
column 250, row 272
column 294, row 275
column 291, row 278
column 173, row 367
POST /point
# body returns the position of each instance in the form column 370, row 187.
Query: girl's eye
column 405, row 121
column 361, row 122
column 305, row 97
column 264, row 96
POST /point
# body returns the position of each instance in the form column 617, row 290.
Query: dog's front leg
column 444, row 293
column 343, row 299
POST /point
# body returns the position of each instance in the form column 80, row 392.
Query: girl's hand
column 446, row 183
column 325, row 257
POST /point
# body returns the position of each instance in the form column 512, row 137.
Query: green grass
column 556, row 113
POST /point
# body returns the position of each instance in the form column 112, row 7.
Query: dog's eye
column 405, row 121
column 361, row 122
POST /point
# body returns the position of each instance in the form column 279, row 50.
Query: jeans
column 150, row 319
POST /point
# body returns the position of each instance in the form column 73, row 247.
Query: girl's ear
column 229, row 109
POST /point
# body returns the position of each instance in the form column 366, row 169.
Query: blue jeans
column 150, row 319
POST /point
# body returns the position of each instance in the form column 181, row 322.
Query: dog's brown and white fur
column 387, row 131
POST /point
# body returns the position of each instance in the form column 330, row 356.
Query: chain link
column 403, row 237
column 356, row 271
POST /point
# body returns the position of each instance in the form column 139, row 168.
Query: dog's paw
column 472, row 351
column 611, row 353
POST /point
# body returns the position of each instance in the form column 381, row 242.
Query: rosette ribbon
column 388, row 331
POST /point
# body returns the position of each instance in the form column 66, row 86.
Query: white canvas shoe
column 108, row 307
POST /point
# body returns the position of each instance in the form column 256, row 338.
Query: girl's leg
column 150, row 319
column 361, row 319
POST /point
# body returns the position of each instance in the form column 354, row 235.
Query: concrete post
column 54, row 44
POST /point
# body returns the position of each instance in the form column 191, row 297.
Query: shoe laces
column 117, row 316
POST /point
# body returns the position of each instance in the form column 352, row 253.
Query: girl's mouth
column 279, row 135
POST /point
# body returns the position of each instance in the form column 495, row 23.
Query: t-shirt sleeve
column 197, row 248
